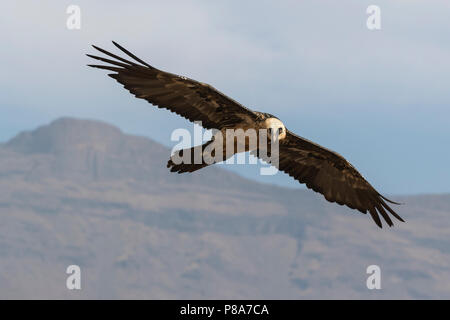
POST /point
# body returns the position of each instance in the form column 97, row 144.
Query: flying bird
column 322, row 170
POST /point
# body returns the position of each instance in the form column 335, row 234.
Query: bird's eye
column 280, row 130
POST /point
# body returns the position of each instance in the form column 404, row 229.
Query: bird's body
column 244, row 137
column 322, row 170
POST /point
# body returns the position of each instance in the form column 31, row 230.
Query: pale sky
column 380, row 98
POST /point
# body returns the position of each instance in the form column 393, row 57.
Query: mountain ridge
column 105, row 201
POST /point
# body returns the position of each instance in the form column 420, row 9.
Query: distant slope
column 82, row 192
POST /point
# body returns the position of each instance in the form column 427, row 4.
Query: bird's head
column 275, row 129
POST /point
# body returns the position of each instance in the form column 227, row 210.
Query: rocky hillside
column 82, row 192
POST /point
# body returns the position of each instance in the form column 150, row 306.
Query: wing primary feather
column 390, row 201
column 375, row 216
column 385, row 205
column 114, row 56
column 385, row 215
column 105, row 67
column 116, row 63
column 132, row 55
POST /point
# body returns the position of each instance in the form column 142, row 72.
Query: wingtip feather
column 131, row 55
column 390, row 201
column 375, row 217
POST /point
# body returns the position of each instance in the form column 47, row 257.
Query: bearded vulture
column 322, row 170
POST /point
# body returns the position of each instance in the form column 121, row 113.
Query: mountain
column 82, row 192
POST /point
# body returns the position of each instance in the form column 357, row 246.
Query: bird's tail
column 189, row 160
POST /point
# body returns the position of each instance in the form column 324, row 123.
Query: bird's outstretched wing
column 328, row 173
column 191, row 99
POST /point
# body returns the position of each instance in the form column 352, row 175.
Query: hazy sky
column 380, row 98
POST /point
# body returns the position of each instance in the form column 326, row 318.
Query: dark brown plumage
column 322, row 170
column 328, row 173
column 188, row 98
